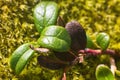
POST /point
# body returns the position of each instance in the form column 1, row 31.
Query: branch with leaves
column 61, row 46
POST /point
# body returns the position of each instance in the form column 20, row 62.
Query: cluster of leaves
column 14, row 12
column 57, row 40
column 95, row 16
column 68, row 44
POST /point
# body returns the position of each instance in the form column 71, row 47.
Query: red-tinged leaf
column 50, row 63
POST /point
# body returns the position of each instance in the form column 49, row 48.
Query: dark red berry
column 78, row 35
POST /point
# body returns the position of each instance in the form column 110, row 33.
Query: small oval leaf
column 23, row 61
column 77, row 34
column 55, row 38
column 104, row 73
column 45, row 14
column 103, row 40
column 17, row 54
column 20, row 57
column 50, row 63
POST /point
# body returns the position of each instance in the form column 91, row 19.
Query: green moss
column 17, row 27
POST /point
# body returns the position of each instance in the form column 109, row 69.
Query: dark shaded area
column 50, row 63
column 65, row 56
column 78, row 35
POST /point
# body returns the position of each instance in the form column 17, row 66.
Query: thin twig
column 64, row 76
column 98, row 52
column 40, row 50
column 112, row 65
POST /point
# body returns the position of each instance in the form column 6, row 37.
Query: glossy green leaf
column 45, row 14
column 20, row 57
column 55, row 38
column 103, row 40
column 23, row 60
column 17, row 54
column 104, row 73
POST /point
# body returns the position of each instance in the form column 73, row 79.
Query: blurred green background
column 17, row 27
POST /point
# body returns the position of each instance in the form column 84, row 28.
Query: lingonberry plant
column 61, row 45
